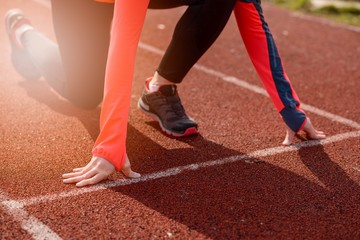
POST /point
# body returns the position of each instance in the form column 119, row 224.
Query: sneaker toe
column 183, row 125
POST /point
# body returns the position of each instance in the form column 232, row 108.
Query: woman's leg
column 82, row 30
column 195, row 32
column 75, row 66
column 45, row 56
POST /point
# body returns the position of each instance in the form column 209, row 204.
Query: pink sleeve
column 129, row 16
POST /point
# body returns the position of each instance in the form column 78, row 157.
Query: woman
column 109, row 151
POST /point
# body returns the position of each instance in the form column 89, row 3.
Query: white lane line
column 242, row 83
column 256, row 89
column 331, row 116
column 178, row 170
column 29, row 223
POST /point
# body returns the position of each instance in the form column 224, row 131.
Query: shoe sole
column 188, row 132
column 23, row 66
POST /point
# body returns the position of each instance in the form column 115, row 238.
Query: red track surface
column 307, row 193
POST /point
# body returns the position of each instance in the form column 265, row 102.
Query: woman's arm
column 129, row 16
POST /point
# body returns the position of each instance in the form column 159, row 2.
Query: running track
column 232, row 181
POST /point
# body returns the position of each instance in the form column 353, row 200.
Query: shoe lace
column 171, row 106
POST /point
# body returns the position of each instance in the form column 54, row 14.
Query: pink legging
column 129, row 16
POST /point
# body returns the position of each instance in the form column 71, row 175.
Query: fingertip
column 286, row 143
column 134, row 175
column 65, row 175
column 66, row 181
column 288, row 138
column 130, row 173
column 77, row 169
column 80, row 184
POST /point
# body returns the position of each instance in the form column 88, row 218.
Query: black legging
column 75, row 67
column 195, row 32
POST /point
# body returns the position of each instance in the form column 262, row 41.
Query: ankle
column 20, row 31
column 159, row 80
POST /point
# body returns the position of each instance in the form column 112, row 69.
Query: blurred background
column 344, row 11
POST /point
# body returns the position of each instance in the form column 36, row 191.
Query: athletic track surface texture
column 233, row 181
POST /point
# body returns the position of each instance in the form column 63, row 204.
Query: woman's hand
column 95, row 171
column 310, row 131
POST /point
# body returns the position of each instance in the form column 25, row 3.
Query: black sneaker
column 164, row 106
column 21, row 61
